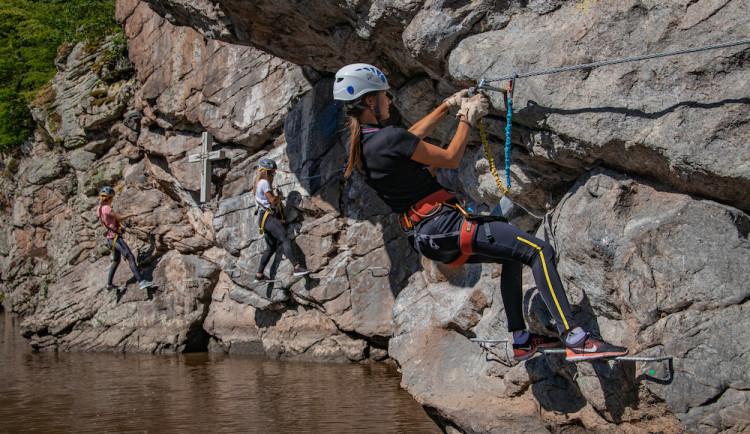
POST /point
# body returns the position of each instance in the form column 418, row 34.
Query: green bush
column 30, row 33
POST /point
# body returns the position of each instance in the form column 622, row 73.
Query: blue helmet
column 267, row 164
column 107, row 192
column 355, row 80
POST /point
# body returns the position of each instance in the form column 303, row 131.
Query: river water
column 207, row 393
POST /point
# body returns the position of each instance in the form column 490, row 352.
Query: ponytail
column 354, row 109
column 355, row 150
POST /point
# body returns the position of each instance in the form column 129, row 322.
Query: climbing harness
column 109, row 230
column 267, row 212
column 428, row 207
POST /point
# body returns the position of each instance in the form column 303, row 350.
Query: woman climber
column 400, row 167
column 113, row 234
column 270, row 219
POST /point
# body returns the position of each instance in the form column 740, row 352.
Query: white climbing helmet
column 357, row 79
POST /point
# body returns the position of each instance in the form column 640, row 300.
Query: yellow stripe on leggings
column 546, row 274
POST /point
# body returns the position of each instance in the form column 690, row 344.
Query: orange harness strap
column 426, row 207
column 465, row 239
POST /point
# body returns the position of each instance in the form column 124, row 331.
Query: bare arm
column 427, row 124
column 275, row 200
column 120, row 218
column 448, row 158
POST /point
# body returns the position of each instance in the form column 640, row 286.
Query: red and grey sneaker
column 592, row 349
column 534, row 344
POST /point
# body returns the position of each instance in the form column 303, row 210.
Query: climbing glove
column 455, row 100
column 474, row 108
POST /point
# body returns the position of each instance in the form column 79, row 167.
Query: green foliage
column 30, row 33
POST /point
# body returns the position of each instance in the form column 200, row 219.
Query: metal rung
column 625, row 358
column 564, row 351
column 320, row 277
column 372, row 270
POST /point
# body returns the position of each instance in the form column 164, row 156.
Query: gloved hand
column 475, row 108
column 455, row 100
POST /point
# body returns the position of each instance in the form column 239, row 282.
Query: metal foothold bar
column 564, row 351
column 489, row 341
column 494, row 88
column 372, row 270
column 624, row 358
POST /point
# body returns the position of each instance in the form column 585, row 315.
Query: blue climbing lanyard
column 508, row 125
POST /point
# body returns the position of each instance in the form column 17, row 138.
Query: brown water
column 85, row 392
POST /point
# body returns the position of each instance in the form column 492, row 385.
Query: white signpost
column 206, row 156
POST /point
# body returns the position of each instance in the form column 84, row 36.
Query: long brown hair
column 354, row 109
column 355, row 148
column 262, row 174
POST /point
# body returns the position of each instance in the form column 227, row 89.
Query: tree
column 30, row 33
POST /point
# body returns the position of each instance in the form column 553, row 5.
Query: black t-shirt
column 389, row 170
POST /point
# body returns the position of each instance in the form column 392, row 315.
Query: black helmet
column 267, row 164
column 107, row 192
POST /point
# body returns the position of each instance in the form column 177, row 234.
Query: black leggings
column 121, row 249
column 275, row 234
column 437, row 239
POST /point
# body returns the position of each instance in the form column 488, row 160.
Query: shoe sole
column 536, row 350
column 301, row 274
column 575, row 357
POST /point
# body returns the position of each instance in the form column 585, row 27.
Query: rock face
column 637, row 173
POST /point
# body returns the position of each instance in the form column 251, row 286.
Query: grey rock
column 635, row 267
column 43, row 171
column 78, row 314
column 620, row 235
column 239, row 94
column 78, row 101
column 81, row 160
column 132, row 120
column 437, row 26
column 672, row 129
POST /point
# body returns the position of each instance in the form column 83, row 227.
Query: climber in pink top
column 112, row 222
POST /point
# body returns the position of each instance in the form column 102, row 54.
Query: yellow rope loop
column 487, row 152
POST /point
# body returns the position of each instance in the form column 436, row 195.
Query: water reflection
column 84, row 392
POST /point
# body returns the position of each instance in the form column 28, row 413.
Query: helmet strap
column 377, row 111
